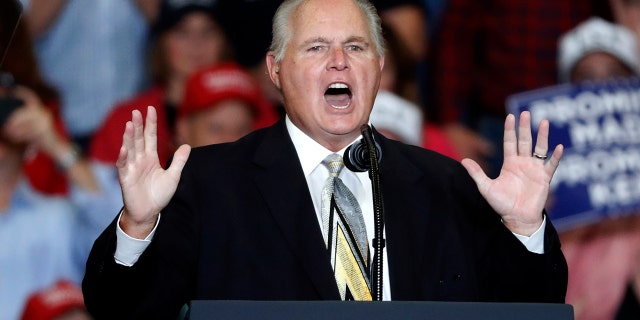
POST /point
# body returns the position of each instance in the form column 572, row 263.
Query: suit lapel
column 286, row 193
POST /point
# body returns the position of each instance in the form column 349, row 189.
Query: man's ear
column 274, row 69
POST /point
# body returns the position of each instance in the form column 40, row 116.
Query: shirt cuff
column 535, row 242
column 128, row 249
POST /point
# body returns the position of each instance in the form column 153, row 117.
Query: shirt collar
column 310, row 152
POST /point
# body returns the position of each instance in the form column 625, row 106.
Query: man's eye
column 315, row 48
column 354, row 47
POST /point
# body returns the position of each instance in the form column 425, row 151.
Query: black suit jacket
column 242, row 226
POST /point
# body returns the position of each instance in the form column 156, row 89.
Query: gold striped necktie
column 345, row 234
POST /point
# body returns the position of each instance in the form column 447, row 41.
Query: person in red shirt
column 187, row 37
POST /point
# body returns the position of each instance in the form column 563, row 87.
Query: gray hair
column 282, row 31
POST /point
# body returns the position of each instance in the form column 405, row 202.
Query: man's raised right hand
column 146, row 186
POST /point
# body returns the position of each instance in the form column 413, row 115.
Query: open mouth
column 338, row 95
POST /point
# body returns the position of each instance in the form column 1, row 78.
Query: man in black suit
column 242, row 220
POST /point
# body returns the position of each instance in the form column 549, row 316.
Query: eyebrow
column 351, row 39
column 357, row 39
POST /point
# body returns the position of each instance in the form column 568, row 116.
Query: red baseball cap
column 54, row 301
column 224, row 81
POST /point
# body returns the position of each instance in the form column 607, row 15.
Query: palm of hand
column 520, row 192
column 146, row 186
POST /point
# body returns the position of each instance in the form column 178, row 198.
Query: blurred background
column 75, row 69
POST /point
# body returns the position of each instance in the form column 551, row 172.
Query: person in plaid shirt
column 487, row 50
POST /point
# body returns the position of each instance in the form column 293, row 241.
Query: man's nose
column 338, row 60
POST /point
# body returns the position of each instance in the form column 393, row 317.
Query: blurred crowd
column 76, row 69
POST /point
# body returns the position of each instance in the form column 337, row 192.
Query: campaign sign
column 599, row 126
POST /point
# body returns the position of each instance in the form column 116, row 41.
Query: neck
column 336, row 146
column 336, row 143
column 333, row 143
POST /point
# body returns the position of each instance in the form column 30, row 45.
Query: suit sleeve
column 161, row 281
column 506, row 270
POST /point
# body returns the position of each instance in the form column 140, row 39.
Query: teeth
column 338, row 86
